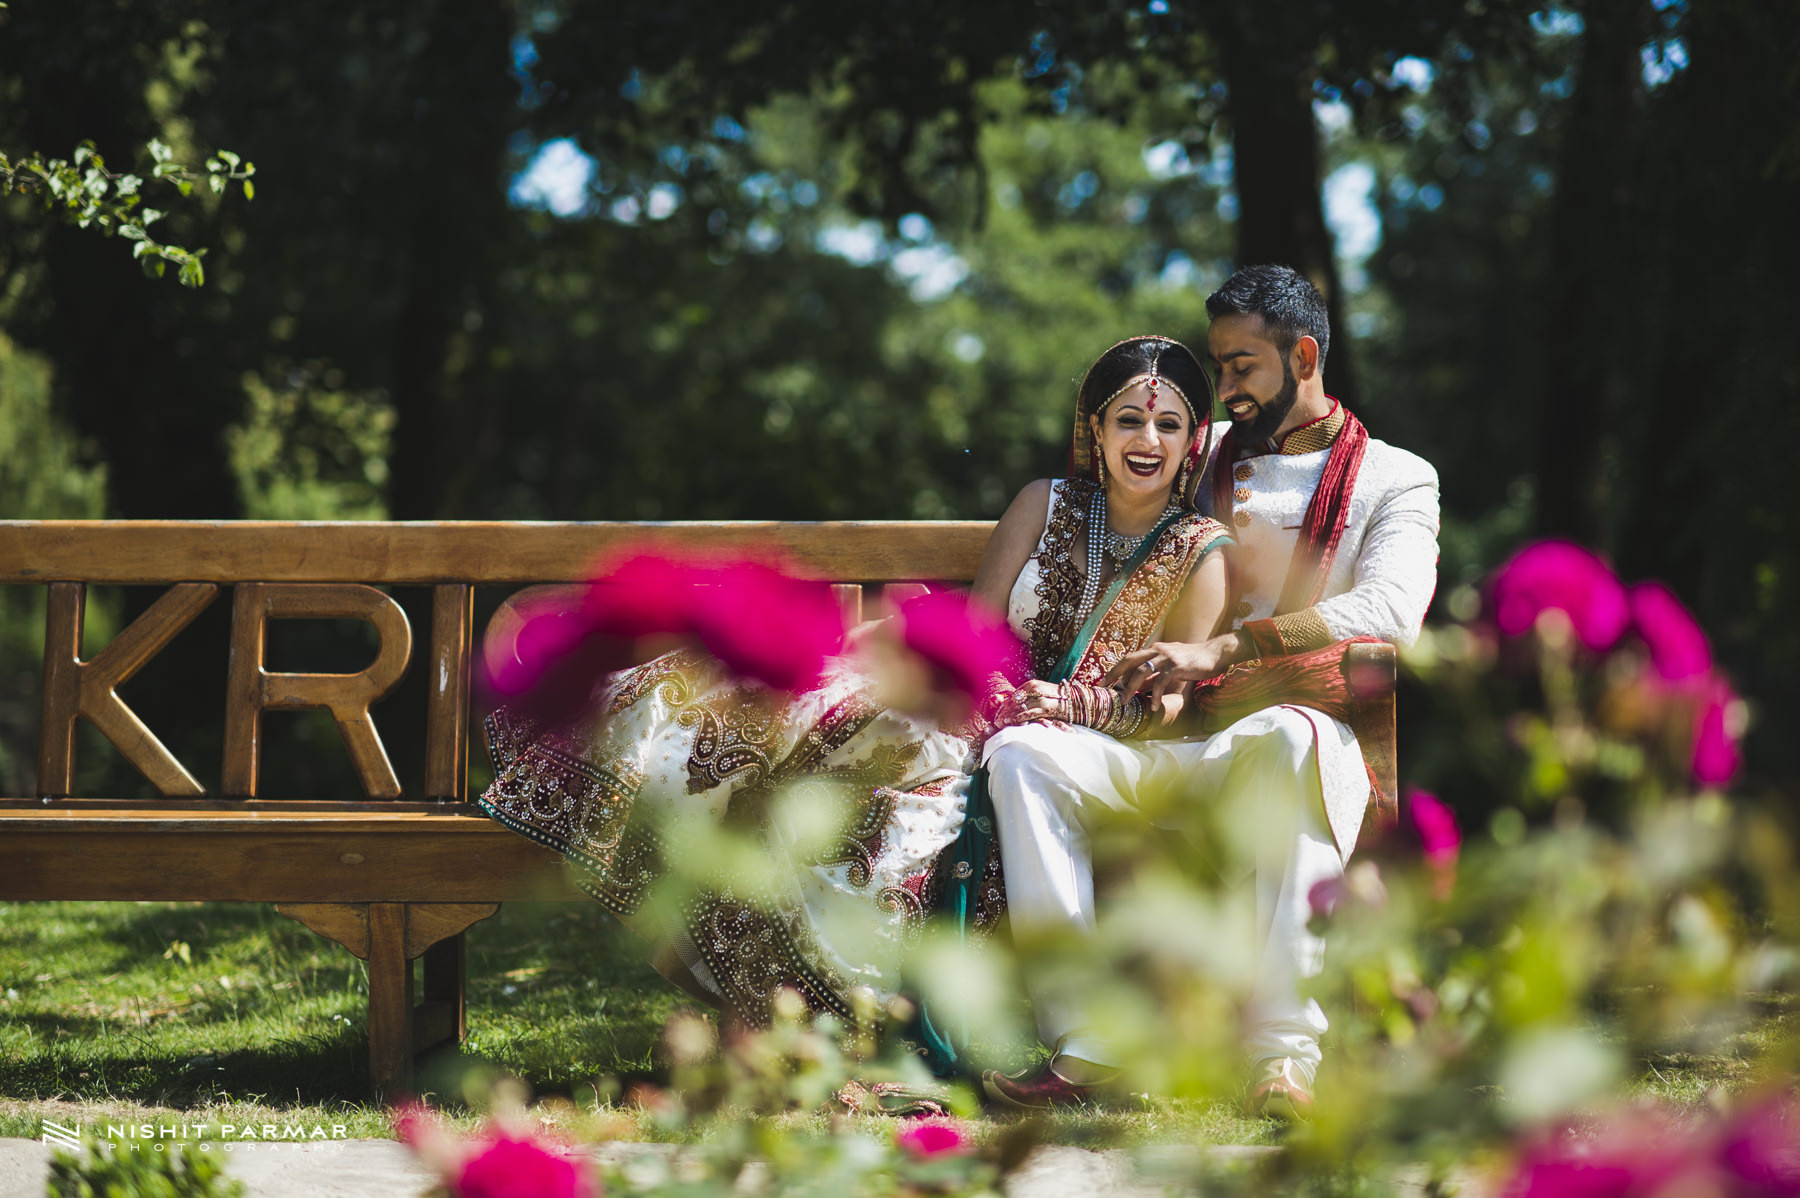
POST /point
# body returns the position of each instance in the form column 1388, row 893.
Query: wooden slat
column 447, row 710
column 207, row 854
column 478, row 552
column 67, row 604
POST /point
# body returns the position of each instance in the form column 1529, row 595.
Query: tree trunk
column 1275, row 163
column 463, row 100
column 1590, row 249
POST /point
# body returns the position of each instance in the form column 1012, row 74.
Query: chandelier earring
column 1181, row 480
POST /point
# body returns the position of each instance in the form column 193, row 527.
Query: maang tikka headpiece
column 1154, row 379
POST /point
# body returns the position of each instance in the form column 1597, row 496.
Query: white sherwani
column 1299, row 770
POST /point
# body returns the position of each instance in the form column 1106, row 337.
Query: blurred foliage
column 1500, row 995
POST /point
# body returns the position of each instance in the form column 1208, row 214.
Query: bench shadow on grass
column 258, row 1008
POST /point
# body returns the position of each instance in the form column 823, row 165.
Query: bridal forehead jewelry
column 1154, row 381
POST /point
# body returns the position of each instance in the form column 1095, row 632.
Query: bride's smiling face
column 1143, row 448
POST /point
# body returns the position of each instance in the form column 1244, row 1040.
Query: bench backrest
column 290, row 570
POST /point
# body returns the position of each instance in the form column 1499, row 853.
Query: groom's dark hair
column 1290, row 306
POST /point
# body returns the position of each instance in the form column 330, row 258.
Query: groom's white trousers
column 1275, row 770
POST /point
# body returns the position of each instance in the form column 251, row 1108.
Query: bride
column 1086, row 568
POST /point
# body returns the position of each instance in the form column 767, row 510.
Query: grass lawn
column 230, row 1013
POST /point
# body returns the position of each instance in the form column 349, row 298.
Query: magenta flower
column 1762, row 1147
column 1647, row 1155
column 962, row 642
column 760, row 623
column 514, row 1167
column 765, row 625
column 1678, row 649
column 1325, row 896
column 642, row 593
column 1439, row 837
column 932, row 1137
column 1717, row 758
column 1559, row 576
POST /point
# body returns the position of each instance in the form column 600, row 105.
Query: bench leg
column 390, row 1003
column 441, row 1015
column 389, row 936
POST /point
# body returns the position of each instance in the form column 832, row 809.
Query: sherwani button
column 1243, row 608
column 1242, row 494
column 1243, row 471
column 1242, row 519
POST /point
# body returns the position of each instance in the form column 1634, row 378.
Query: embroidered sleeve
column 1295, row 632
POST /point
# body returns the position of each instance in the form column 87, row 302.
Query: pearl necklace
column 1102, row 542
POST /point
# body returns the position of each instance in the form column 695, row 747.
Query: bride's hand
column 1034, row 701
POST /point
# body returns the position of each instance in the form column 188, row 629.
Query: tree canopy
column 572, row 260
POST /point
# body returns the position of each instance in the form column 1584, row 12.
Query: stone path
column 385, row 1169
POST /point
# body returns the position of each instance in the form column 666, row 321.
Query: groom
column 1337, row 538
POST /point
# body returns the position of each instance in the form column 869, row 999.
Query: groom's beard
column 1270, row 413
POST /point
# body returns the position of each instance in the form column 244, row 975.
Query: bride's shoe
column 1037, row 1088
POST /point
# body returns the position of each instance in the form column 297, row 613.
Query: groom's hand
column 1167, row 664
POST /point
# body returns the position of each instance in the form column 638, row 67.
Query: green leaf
column 249, row 190
column 141, row 248
column 159, row 151
column 218, row 184
column 192, row 275
column 184, row 186
column 150, row 216
column 229, row 157
column 127, row 185
column 132, row 232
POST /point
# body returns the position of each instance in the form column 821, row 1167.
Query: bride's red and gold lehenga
column 677, row 747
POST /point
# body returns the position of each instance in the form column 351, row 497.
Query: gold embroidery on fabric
column 551, row 792
column 1310, row 438
column 733, row 735
column 672, row 672
column 1302, row 630
column 1050, row 632
column 1148, row 595
column 753, row 953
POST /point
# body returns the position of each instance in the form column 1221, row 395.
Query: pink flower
column 555, row 658
column 1439, row 837
column 759, row 622
column 765, row 625
column 932, row 1137
column 1716, row 756
column 1325, row 896
column 1762, row 1146
column 963, row 642
column 1648, row 1155
column 1559, row 576
column 514, row 1167
column 1678, row 649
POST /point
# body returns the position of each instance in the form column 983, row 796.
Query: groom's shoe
column 1281, row 1091
column 1037, row 1088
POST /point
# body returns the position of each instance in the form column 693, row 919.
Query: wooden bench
column 392, row 877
